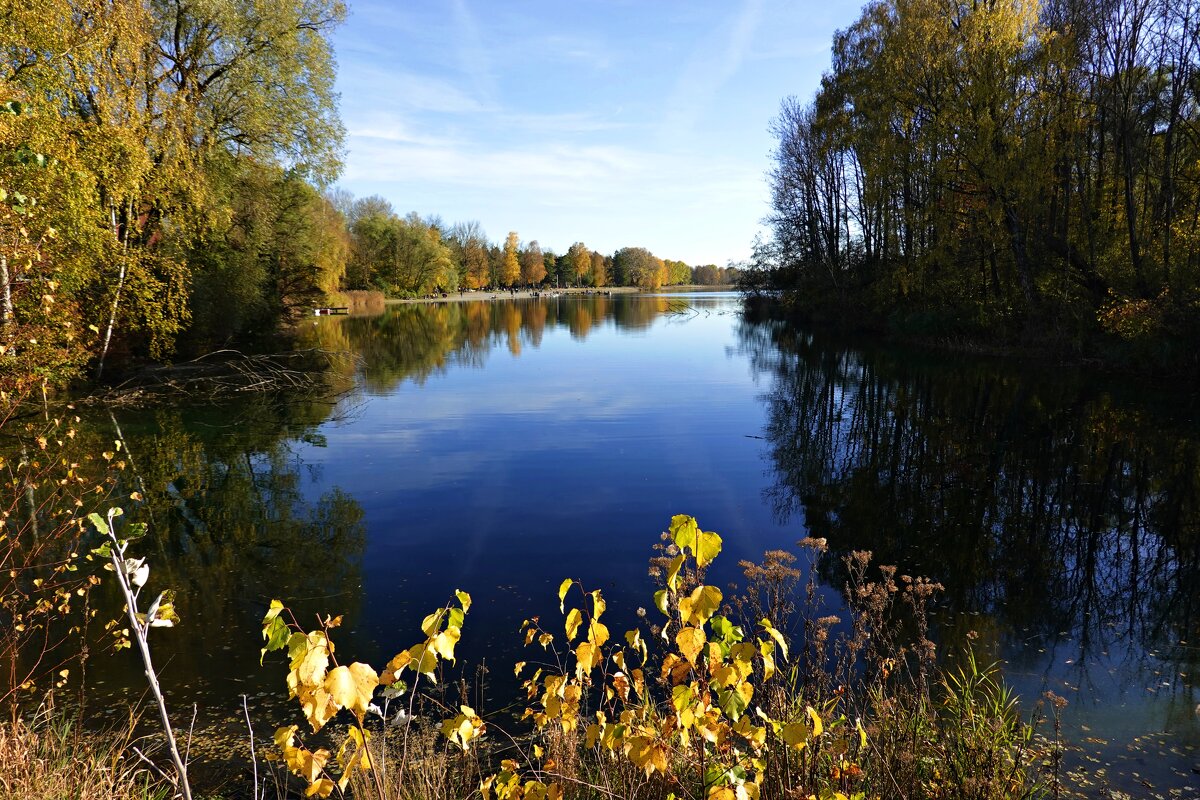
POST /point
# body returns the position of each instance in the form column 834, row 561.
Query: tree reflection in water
column 1061, row 513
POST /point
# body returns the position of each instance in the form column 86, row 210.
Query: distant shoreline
column 456, row 297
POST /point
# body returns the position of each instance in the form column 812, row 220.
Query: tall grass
column 51, row 758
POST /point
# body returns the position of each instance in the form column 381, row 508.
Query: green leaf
column 735, row 700
column 660, row 601
column 99, row 523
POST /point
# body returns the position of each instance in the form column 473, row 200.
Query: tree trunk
column 6, row 303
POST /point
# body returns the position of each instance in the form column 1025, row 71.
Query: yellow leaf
column 563, row 588
column 776, row 635
column 698, row 607
column 322, row 787
column 431, row 623
column 311, row 670
column 795, row 735
column 464, row 599
column 317, row 704
column 351, row 687
column 690, row 641
column 768, row 661
column 598, row 633
column 818, row 726
column 598, row 604
column 443, row 643
column 574, row 620
column 588, row 657
column 423, row 659
column 673, row 571
column 394, row 667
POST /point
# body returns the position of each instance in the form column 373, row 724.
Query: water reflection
column 235, row 524
column 1061, row 512
column 417, row 340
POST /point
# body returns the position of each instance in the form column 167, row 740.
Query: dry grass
column 50, row 759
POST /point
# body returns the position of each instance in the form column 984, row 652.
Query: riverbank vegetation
column 165, row 189
column 1020, row 171
column 765, row 694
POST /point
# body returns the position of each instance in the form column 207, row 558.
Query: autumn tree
column 510, row 267
column 469, row 244
column 637, row 266
column 579, row 262
column 533, row 265
column 601, row 268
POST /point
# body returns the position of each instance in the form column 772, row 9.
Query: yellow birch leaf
column 351, row 687
column 311, row 671
column 322, row 787
column 598, row 633
column 818, row 726
column 690, row 641
column 795, row 735
column 574, row 620
column 443, row 643
column 673, row 571
column 698, row 607
column 776, row 635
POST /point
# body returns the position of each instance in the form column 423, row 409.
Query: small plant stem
column 371, row 763
column 253, row 752
column 118, row 560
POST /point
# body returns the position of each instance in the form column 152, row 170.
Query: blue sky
column 615, row 123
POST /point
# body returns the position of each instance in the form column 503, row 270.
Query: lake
column 499, row 447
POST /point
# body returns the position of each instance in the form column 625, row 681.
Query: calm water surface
column 501, row 446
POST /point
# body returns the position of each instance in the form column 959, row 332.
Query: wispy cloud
column 547, row 166
column 417, row 92
column 473, row 55
column 704, row 76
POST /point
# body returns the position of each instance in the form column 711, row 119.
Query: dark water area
column 499, row 447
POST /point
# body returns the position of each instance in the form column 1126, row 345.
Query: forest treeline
column 165, row 174
column 411, row 256
column 1023, row 168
